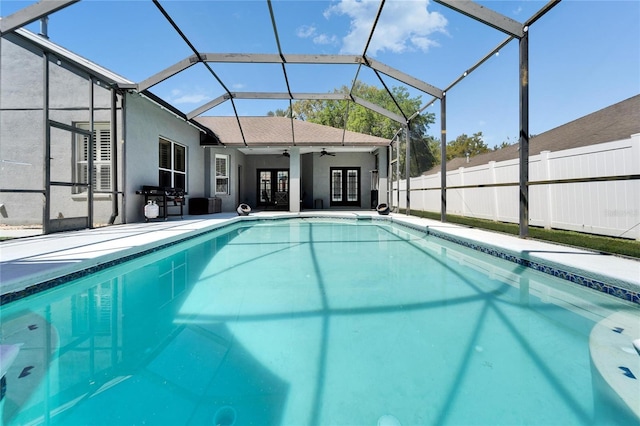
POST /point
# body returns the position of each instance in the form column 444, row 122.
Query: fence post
column 494, row 193
column 463, row 208
column 547, row 211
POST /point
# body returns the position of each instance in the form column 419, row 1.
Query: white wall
column 606, row 208
column 145, row 124
column 239, row 184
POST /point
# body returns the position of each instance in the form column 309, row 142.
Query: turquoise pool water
column 308, row 321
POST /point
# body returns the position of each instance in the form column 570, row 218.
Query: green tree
column 280, row 113
column 464, row 145
column 356, row 118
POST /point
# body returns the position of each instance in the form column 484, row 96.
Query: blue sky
column 584, row 55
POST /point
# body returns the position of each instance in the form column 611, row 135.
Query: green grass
column 618, row 246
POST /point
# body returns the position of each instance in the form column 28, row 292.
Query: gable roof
column 282, row 131
column 616, row 122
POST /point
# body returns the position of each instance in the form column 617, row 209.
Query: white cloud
column 404, row 25
column 195, row 98
column 238, row 86
column 306, row 31
column 310, row 31
column 179, row 97
column 325, row 39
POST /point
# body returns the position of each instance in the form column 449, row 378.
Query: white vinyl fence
column 609, row 208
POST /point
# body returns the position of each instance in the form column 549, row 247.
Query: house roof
column 282, row 131
column 80, row 61
column 615, row 122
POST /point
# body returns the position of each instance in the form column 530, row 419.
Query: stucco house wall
column 145, row 124
column 22, row 150
column 239, row 184
column 322, row 166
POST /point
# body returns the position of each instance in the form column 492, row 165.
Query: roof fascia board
column 404, row 78
column 379, row 109
column 486, row 16
column 82, row 65
column 32, row 13
column 168, row 72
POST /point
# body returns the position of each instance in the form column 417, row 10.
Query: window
column 345, row 186
column 101, row 175
column 173, row 165
column 222, row 174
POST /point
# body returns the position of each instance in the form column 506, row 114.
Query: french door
column 345, row 186
column 273, row 188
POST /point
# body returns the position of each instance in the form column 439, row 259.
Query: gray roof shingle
column 277, row 131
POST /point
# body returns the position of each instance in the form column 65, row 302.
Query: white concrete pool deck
column 34, row 259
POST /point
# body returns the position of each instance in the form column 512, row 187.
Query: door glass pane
column 352, row 185
column 265, row 186
column 336, row 185
column 283, row 181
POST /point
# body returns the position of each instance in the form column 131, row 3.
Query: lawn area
column 618, row 246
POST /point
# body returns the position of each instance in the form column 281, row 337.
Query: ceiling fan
column 324, row 152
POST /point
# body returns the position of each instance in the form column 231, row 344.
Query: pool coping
column 33, row 264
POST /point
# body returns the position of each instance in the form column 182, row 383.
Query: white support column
column 383, row 176
column 294, row 179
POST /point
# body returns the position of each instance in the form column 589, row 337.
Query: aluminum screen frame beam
column 486, row 16
column 168, row 72
column 379, row 110
column 523, row 151
column 266, row 95
column 32, row 13
column 403, row 77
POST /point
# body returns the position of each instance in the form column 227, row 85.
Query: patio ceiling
column 188, row 52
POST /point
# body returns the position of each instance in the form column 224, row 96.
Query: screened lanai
column 253, row 58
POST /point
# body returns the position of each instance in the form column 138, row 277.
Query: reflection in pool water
column 307, row 322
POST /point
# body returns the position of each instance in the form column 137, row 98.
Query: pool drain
column 388, row 420
column 225, row 416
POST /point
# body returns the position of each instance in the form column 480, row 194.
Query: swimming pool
column 310, row 321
